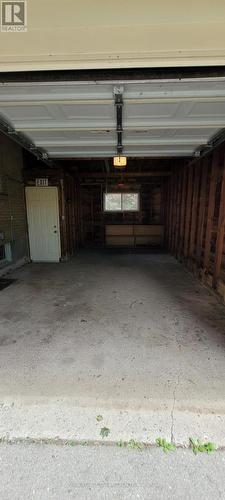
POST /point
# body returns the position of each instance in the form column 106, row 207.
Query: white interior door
column 43, row 223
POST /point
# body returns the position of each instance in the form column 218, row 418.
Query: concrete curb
column 63, row 421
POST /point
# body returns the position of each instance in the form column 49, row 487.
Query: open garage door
column 71, row 120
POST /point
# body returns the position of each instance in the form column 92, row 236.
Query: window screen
column 121, row 202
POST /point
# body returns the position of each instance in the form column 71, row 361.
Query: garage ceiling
column 161, row 118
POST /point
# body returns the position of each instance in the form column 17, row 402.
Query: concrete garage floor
column 132, row 337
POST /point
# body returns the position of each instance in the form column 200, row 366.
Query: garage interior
column 124, row 267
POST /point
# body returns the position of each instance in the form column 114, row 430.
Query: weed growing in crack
column 134, row 445
column 165, row 445
column 121, row 444
column 198, row 447
column 71, row 443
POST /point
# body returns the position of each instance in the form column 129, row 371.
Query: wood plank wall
column 195, row 217
column 13, row 225
column 72, row 204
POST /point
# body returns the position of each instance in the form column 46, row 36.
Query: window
column 121, row 202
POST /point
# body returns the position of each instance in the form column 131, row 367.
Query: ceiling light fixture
column 119, row 161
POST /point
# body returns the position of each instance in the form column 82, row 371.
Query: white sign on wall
column 41, row 182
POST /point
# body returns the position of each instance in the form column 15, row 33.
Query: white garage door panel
column 18, row 113
column 146, row 110
column 74, row 119
column 157, row 89
column 51, row 137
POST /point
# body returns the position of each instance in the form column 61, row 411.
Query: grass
column 71, row 443
column 104, row 432
column 198, row 447
column 99, row 418
column 165, row 445
column 132, row 444
column 121, row 444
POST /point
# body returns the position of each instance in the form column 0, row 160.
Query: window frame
column 122, row 210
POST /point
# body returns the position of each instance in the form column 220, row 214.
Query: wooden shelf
column 132, row 235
